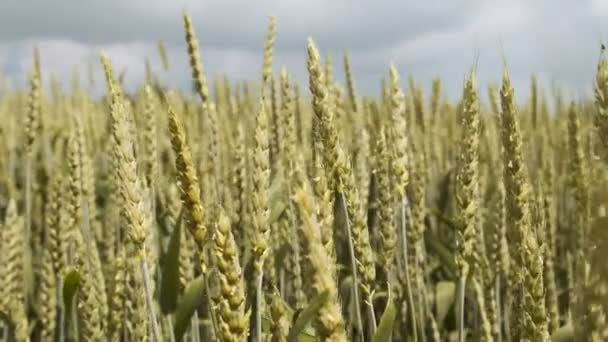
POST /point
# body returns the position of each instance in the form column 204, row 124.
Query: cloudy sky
column 558, row 40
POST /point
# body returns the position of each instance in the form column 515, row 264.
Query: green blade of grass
column 169, row 287
column 385, row 327
column 188, row 304
column 307, row 315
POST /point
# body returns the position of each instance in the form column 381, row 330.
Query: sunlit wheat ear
column 362, row 251
column 260, row 228
column 468, row 181
column 275, row 130
column 268, row 51
column 325, row 206
column 289, row 139
column 135, row 215
column 418, row 103
column 126, row 173
column 213, row 158
column 295, row 265
column 48, row 293
column 12, row 266
column 549, row 219
column 162, row 51
column 33, row 127
column 196, row 64
column 112, row 86
column 467, row 256
column 151, row 138
column 53, row 261
column 187, row 258
column 188, row 183
column 326, row 127
column 91, row 316
column 350, row 82
column 436, row 95
column 362, row 167
column 239, row 186
column 88, row 224
column 261, row 184
column 494, row 273
column 529, row 320
column 72, row 218
column 233, row 320
column 329, row 324
column 579, row 191
column 338, row 168
column 280, row 323
column 398, row 133
column 578, row 175
column 32, row 120
column 117, row 324
column 400, row 164
column 386, row 224
column 53, row 221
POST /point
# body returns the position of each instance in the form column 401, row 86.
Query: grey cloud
column 354, row 24
column 557, row 40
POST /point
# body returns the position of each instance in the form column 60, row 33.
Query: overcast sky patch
column 556, row 40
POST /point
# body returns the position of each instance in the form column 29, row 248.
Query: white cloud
column 599, row 8
column 554, row 38
column 492, row 22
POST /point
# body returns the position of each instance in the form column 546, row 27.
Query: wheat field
column 269, row 210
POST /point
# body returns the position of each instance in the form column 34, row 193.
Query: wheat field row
column 272, row 211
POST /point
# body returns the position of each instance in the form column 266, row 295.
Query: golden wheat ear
column 530, row 321
column 330, row 325
column 234, row 321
